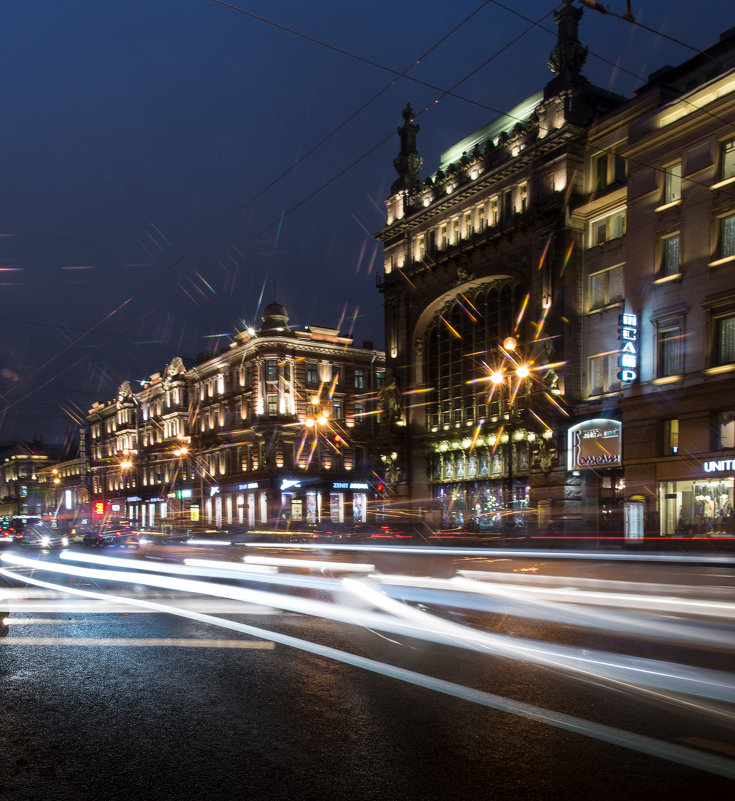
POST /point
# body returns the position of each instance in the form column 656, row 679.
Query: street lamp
column 502, row 380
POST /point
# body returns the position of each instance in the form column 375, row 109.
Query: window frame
column 605, row 222
column 607, row 298
column 672, row 183
column 610, row 381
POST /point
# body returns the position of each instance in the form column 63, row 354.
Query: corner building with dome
column 277, row 430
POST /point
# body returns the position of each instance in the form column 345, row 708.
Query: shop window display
column 697, row 508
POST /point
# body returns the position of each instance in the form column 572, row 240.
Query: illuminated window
column 672, row 183
column 724, row 339
column 669, row 255
column 727, row 236
column 481, row 221
column 602, row 373
column 420, row 250
column 337, row 409
column 359, row 378
column 455, row 230
column 468, row 224
column 668, row 351
column 605, row 287
column 671, row 437
column 443, row 238
column 311, row 373
column 359, row 411
column 493, row 211
column 724, row 430
column 379, row 379
column 728, row 159
column 522, row 197
column 271, row 370
column 272, row 405
column 604, row 229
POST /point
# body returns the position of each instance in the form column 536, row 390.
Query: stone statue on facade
column 390, row 398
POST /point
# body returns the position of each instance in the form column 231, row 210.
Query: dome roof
column 275, row 317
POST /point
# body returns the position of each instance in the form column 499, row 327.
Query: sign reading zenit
column 628, row 353
column 594, row 444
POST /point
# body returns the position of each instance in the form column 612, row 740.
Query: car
column 120, row 537
column 41, row 537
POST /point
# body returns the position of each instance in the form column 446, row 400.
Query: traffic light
column 99, row 507
column 380, row 487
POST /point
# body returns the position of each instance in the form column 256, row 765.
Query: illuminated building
column 276, row 430
column 480, row 251
column 659, row 254
column 600, row 233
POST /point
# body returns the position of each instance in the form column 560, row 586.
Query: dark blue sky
column 134, row 133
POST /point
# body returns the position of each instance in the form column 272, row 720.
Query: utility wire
column 364, row 155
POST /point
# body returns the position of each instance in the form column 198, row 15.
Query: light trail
column 153, row 642
column 414, row 623
column 507, row 553
column 310, row 564
column 637, row 742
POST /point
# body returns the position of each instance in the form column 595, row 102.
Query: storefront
column 287, row 500
column 702, row 504
column 472, row 485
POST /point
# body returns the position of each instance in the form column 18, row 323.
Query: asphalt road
column 106, row 701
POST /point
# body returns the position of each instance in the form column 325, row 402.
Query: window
column 273, row 405
column 379, row 379
column 605, row 287
column 668, row 350
column 671, row 437
column 728, row 159
column 420, row 250
column 443, row 239
column 493, row 213
column 311, row 373
column 248, row 376
column 669, row 255
column 727, row 236
column 725, row 339
column 271, row 370
column 724, row 430
column 359, row 411
column 337, row 410
column 599, row 171
column 672, row 183
column 603, row 373
column 481, row 222
column 455, row 230
column 611, row 226
column 522, row 197
column 359, row 378
column 468, row 224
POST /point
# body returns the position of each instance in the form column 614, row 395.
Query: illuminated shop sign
column 353, row 485
column 213, row 491
column 720, row 466
column 628, row 353
column 186, row 493
column 594, row 444
column 133, row 498
column 251, row 485
column 156, row 500
column 290, row 483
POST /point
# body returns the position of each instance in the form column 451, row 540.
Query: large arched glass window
column 462, row 344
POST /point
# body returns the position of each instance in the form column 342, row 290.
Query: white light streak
column 636, row 742
column 310, row 564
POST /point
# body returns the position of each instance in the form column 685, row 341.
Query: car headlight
column 65, row 541
column 45, row 540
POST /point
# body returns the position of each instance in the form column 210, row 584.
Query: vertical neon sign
column 628, row 353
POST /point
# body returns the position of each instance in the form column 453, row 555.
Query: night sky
column 137, row 136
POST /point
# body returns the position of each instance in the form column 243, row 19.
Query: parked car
column 120, row 537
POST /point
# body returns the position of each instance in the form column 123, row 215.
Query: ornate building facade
column 548, row 352
column 277, row 430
